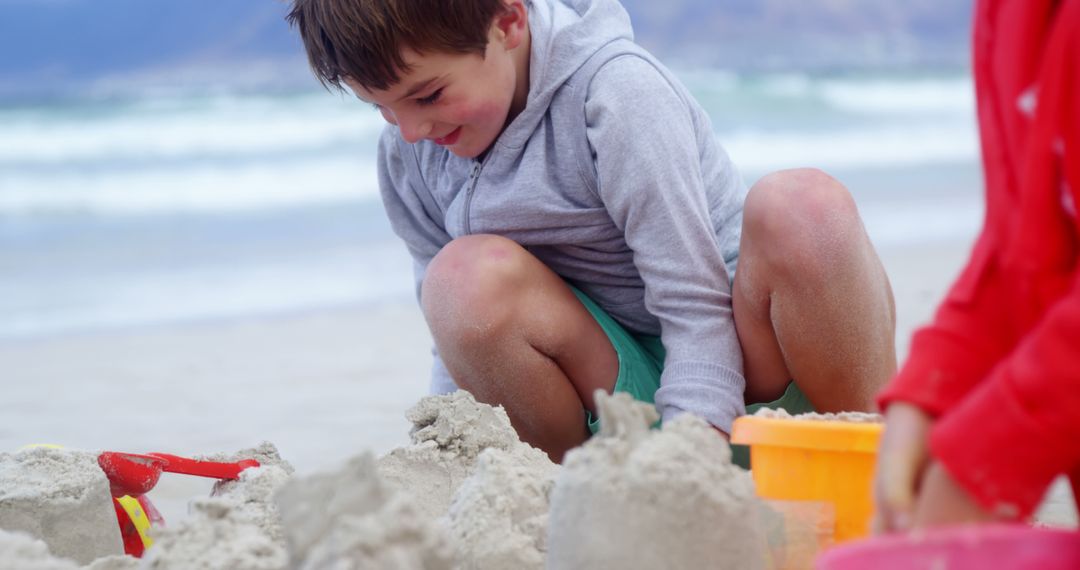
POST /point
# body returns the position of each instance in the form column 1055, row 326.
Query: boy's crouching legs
column 512, row 333
column 811, row 299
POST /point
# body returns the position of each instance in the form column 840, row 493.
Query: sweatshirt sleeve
column 649, row 174
column 1025, row 416
column 970, row 333
column 415, row 220
column 1018, row 425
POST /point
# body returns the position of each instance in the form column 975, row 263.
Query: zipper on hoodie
column 474, row 178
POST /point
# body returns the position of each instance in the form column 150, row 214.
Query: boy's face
column 459, row 101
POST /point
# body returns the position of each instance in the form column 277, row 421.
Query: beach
column 198, row 275
column 321, row 385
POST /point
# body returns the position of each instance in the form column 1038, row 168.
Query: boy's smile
column 460, row 101
column 449, row 139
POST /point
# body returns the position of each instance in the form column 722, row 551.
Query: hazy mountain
column 806, row 33
column 51, row 45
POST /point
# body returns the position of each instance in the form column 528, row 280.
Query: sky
column 55, row 46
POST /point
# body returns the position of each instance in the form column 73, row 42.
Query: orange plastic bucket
column 811, row 460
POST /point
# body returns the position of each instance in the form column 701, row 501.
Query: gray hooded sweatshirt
column 612, row 177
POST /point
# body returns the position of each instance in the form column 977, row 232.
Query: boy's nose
column 413, row 130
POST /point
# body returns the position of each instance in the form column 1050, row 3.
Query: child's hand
column 902, row 460
column 942, row 501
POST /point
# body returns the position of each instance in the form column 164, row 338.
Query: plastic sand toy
column 132, row 475
column 1001, row 547
column 826, row 462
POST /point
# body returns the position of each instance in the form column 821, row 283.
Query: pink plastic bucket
column 1001, row 547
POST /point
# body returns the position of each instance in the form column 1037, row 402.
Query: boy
column 575, row 225
column 986, row 411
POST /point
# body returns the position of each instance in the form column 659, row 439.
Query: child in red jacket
column 986, row 411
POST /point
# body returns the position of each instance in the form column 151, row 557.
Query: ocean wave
column 894, row 222
column 179, row 128
column 878, row 146
column 191, row 188
column 954, row 96
column 230, row 153
column 275, row 182
column 873, row 96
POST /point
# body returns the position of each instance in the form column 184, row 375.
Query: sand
column 62, row 498
column 631, row 497
column 448, row 434
column 321, row 385
column 237, row 527
column 466, row 493
column 491, row 509
column 499, row 515
column 352, row 519
column 848, row 417
column 639, row 498
column 22, row 551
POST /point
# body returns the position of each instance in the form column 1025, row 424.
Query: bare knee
column 800, row 222
column 468, row 290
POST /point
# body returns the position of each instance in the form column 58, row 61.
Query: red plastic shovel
column 135, row 474
column 132, row 475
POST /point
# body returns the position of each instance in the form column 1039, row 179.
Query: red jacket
column 1000, row 364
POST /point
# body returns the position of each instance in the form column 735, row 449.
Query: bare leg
column 811, row 299
column 512, row 333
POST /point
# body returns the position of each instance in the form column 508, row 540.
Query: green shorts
column 641, row 360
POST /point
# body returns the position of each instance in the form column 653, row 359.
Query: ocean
column 152, row 209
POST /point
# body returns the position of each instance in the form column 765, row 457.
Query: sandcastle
column 640, row 498
column 62, row 498
column 465, row 494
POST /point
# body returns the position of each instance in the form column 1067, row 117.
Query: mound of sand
column 639, row 498
column 237, row 527
column 465, row 494
column 61, row 497
column 448, row 434
column 351, row 519
column 20, row 550
column 499, row 516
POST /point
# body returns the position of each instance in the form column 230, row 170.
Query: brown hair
column 363, row 39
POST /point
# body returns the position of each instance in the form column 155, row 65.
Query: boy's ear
column 512, row 24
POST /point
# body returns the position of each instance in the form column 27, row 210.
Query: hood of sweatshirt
column 565, row 34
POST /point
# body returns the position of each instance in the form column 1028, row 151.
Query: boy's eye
column 430, row 99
